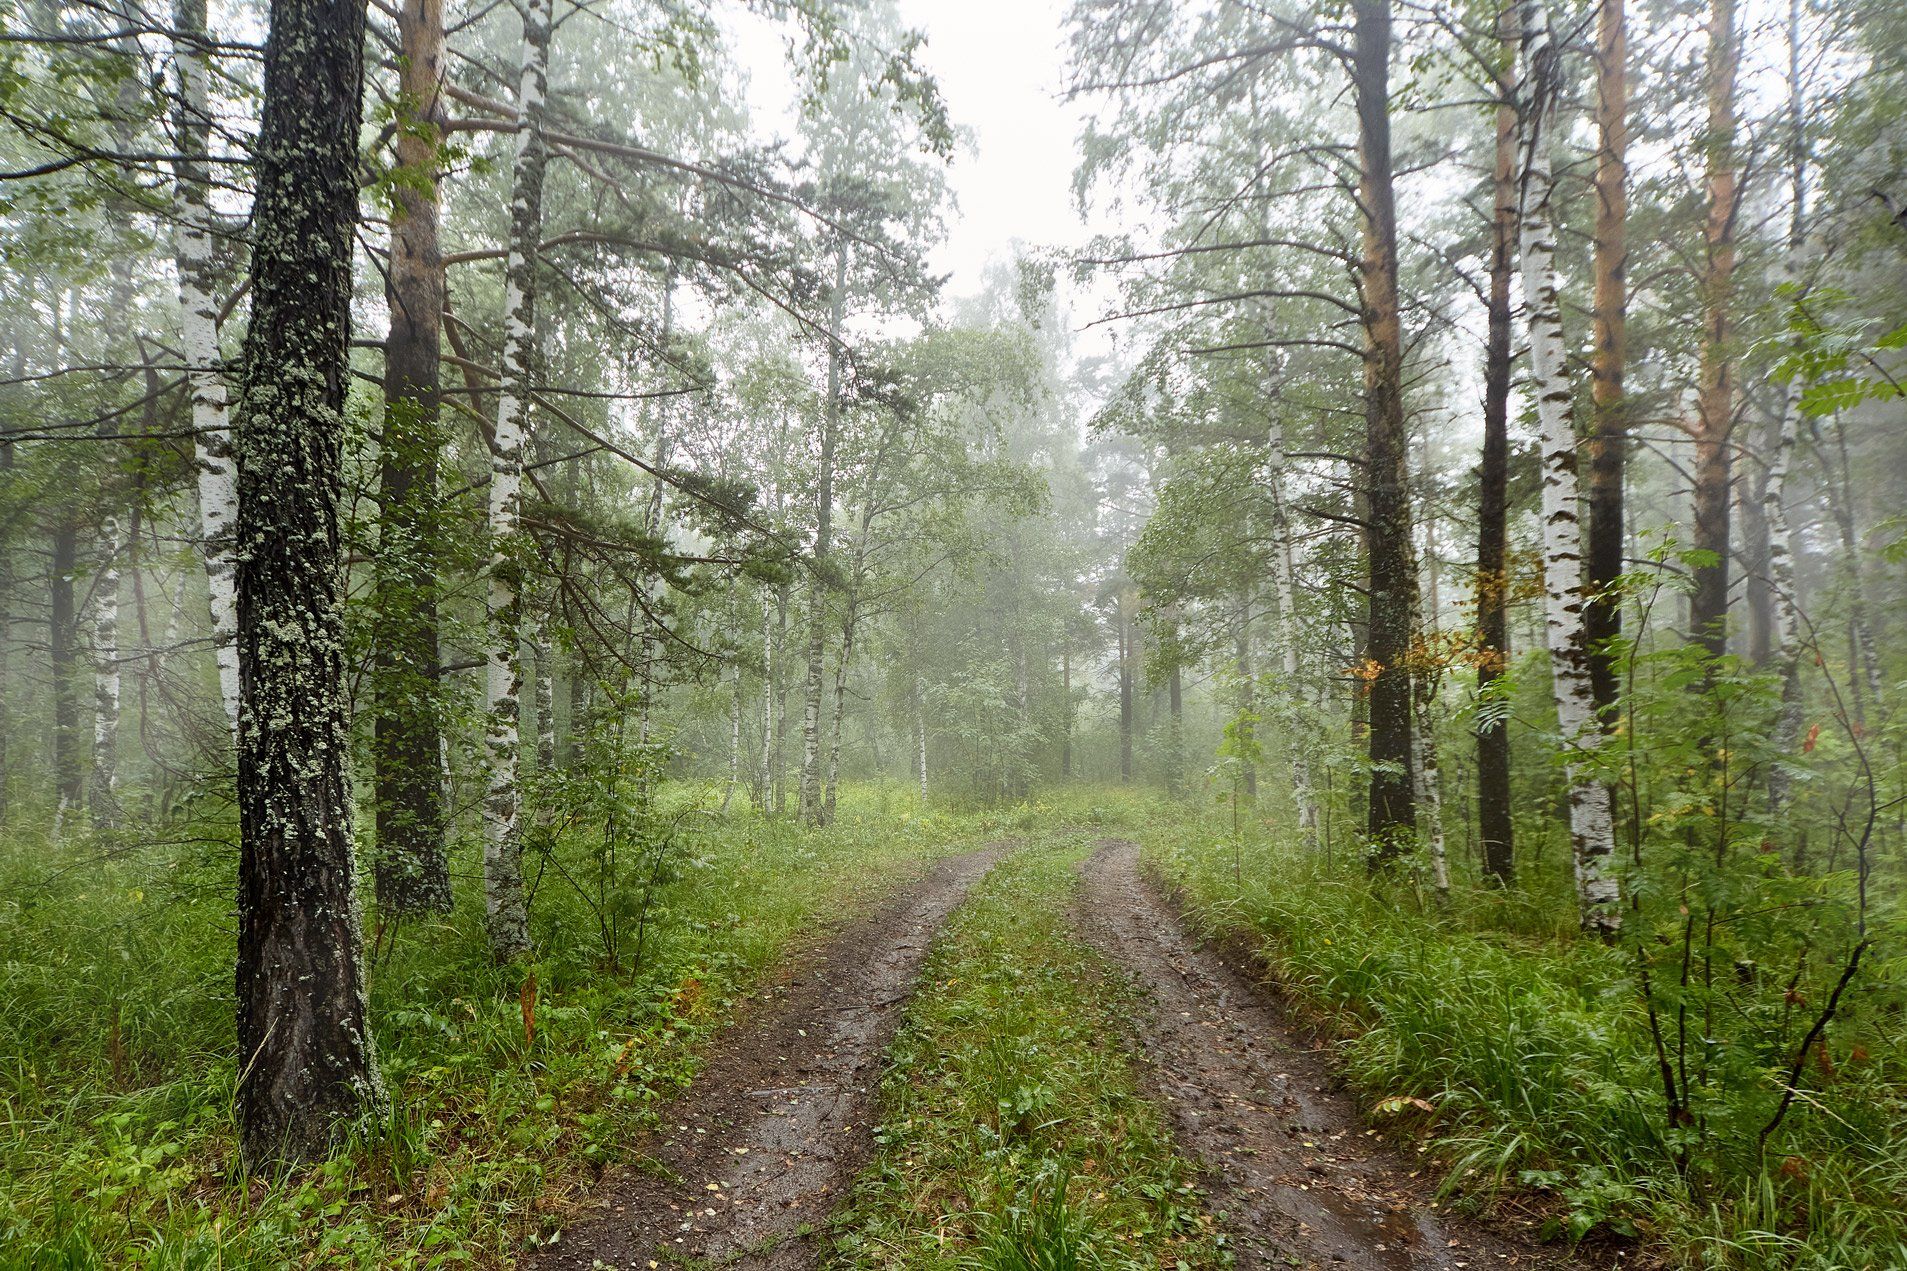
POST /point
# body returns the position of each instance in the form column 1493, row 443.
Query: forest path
column 770, row 1135
column 1288, row 1161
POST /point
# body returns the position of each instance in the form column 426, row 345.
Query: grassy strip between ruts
column 116, row 1052
column 1013, row 1136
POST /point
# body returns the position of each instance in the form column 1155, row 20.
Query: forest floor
column 773, row 1131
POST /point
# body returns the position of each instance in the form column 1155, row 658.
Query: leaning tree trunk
column 1495, row 825
column 413, row 869
column 1392, row 578
column 1609, row 431
column 102, row 795
column 195, row 264
column 504, row 900
column 1590, row 830
column 304, row 1045
column 1715, row 388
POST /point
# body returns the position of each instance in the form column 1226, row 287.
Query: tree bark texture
column 305, row 1053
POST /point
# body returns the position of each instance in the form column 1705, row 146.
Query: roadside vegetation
column 509, row 1086
column 1013, row 1136
column 1521, row 1056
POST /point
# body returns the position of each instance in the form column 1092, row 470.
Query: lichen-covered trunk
column 412, row 867
column 102, row 795
column 1715, row 384
column 305, row 1054
column 1391, row 575
column 1609, row 427
column 813, row 811
column 195, row 265
column 1298, row 739
column 1495, row 825
column 1590, row 830
column 504, row 902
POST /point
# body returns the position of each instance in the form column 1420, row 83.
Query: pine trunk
column 413, row 869
column 304, row 1045
column 504, row 900
column 1590, row 828
column 1392, row 579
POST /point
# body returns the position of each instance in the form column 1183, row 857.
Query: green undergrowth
column 1013, row 1137
column 1531, row 1046
column 116, row 1041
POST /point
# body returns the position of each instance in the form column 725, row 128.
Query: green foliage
column 1012, row 1136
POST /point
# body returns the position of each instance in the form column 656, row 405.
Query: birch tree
column 505, row 904
column 1591, row 830
column 194, row 263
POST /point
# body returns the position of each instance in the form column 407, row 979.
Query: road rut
column 1289, row 1163
column 771, row 1133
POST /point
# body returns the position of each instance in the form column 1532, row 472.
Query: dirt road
column 771, row 1134
column 1299, row 1179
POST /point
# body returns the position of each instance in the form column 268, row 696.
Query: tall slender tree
column 1609, row 426
column 1590, row 830
column 1496, row 827
column 1391, row 570
column 413, row 869
column 505, row 903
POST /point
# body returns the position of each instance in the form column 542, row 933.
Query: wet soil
column 752, row 1158
column 1300, row 1179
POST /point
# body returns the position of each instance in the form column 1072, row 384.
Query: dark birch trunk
column 1495, row 825
column 1392, row 814
column 1609, row 428
column 413, row 870
column 305, row 1050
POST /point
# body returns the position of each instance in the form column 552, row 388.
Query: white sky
column 1001, row 66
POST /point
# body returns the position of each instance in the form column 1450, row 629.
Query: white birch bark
column 767, row 702
column 199, row 341
column 1590, row 828
column 1423, row 738
column 812, row 810
column 1780, row 454
column 734, row 743
column 545, row 692
column 1283, row 581
column 103, row 795
column 504, row 901
column 920, row 737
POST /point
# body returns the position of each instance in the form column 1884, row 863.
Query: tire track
column 1289, row 1164
column 770, row 1135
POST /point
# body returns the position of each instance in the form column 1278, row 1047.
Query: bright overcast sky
column 1000, row 65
